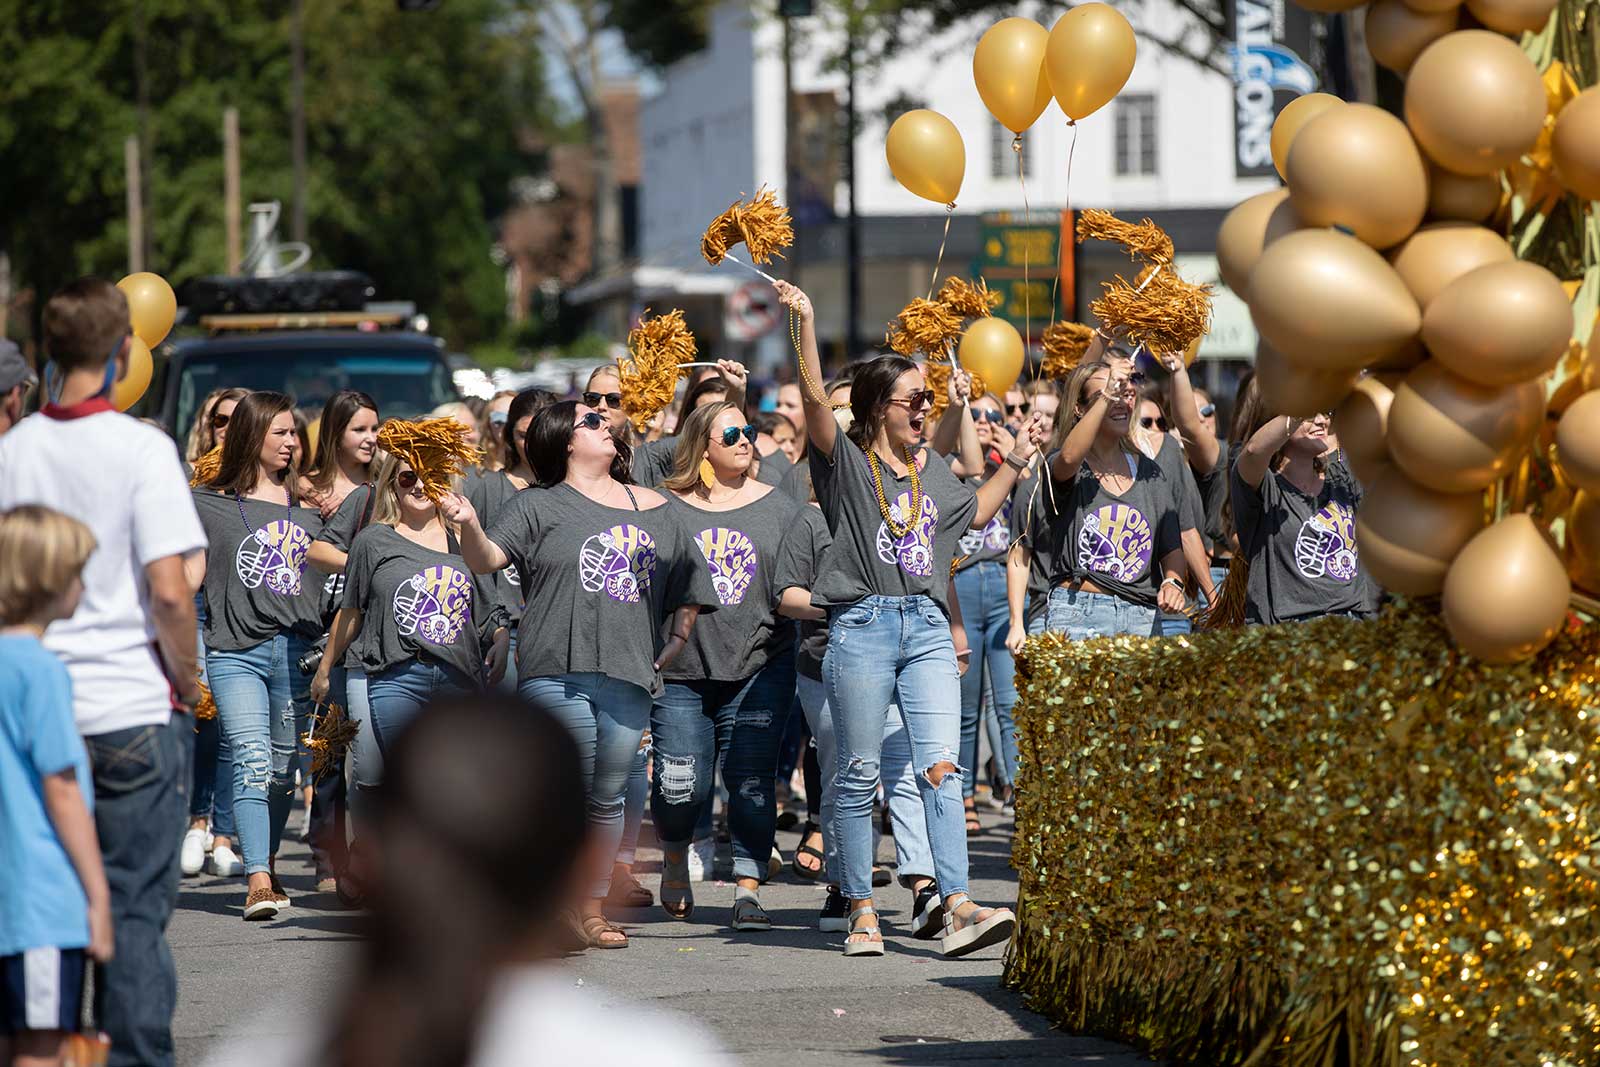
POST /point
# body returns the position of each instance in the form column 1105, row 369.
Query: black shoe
column 927, row 914
column 832, row 920
column 881, row 876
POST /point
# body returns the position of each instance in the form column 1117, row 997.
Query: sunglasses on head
column 219, row 420
column 922, row 398
column 730, row 436
column 1150, row 421
column 594, row 400
column 406, row 479
column 989, row 415
column 591, row 419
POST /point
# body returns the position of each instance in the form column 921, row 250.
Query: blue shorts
column 42, row 989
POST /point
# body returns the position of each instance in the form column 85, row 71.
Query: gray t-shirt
column 488, row 492
column 1173, row 464
column 417, row 603
column 1116, row 542
column 773, row 469
column 256, row 583
column 865, row 559
column 599, row 582
column 796, row 482
column 652, row 461
column 798, row 561
column 989, row 544
column 341, row 528
column 1302, row 549
column 739, row 551
column 1213, row 494
column 1030, row 527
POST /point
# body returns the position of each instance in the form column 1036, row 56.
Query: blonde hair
column 694, row 440
column 44, row 551
column 202, row 437
column 386, row 495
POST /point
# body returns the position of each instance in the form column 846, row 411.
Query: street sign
column 1021, row 261
column 1006, row 243
column 1275, row 57
column 751, row 312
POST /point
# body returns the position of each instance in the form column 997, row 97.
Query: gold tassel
column 1227, row 611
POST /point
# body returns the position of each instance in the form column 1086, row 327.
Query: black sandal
column 809, row 874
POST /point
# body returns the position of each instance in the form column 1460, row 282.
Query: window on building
column 1136, row 134
column 1002, row 160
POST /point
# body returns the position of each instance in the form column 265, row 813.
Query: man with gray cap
column 16, row 381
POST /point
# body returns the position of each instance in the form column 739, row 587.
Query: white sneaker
column 703, row 860
column 192, row 854
column 225, row 862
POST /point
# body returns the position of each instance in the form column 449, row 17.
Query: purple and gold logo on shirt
column 1326, row 544
column 732, row 559
column 274, row 556
column 913, row 551
column 622, row 560
column 1115, row 541
column 996, row 536
column 435, row 605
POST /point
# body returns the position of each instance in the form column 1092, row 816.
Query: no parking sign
column 751, row 311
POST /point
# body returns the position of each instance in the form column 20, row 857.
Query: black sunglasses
column 1148, row 421
column 989, row 415
column 592, row 419
column 1013, row 409
column 218, row 421
column 730, row 436
column 406, row 479
column 613, row 400
column 922, row 398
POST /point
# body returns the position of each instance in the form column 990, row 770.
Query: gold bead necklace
column 898, row 529
column 812, row 389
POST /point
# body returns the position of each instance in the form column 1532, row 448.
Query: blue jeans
column 397, row 694
column 691, row 725
column 886, row 650
column 366, row 762
column 981, row 589
column 607, row 717
column 634, row 805
column 1083, row 616
column 913, row 859
column 257, row 690
column 1166, row 625
column 141, row 802
column 508, row 680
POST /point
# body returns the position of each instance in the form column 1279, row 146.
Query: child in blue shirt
column 55, row 906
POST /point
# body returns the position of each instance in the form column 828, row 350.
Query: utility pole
column 230, row 188
column 852, row 328
column 139, row 177
column 130, row 160
column 297, row 118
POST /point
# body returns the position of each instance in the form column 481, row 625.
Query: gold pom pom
column 436, row 449
column 1064, row 346
column 924, row 326
column 1143, row 240
column 650, row 374
column 937, row 378
column 1162, row 312
column 206, row 468
column 206, row 706
column 762, row 226
column 331, row 735
column 970, row 300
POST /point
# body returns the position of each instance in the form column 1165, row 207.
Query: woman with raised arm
column 1112, row 516
column 603, row 564
column 896, row 513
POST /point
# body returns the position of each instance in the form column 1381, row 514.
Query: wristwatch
column 1173, row 581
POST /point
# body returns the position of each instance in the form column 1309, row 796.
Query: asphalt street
column 784, row 997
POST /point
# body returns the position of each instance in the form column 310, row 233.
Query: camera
column 312, row 659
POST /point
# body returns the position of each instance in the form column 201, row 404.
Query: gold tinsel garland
column 649, row 374
column 330, row 736
column 970, row 300
column 206, row 468
column 762, row 226
column 1064, row 346
column 435, row 448
column 1334, row 842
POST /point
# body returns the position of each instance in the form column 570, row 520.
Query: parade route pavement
column 786, row 997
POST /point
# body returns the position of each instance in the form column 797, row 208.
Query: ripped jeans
column 886, row 650
column 693, row 723
column 256, row 690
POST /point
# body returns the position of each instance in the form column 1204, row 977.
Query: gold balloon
column 1410, row 356
column 1008, row 67
column 1330, row 301
column 1583, row 541
column 1247, row 229
column 1506, row 595
column 1341, row 157
column 926, row 155
column 132, row 385
column 1295, row 114
column 1575, row 145
column 1461, row 197
column 992, row 349
column 1329, row 7
column 1474, row 101
column 1434, row 7
column 1088, row 58
column 1578, row 442
column 1440, row 252
column 152, row 306
column 1397, row 33
column 1288, row 389
column 1499, row 324
column 1362, row 425
column 1454, row 436
column 1407, row 535
column 1515, row 17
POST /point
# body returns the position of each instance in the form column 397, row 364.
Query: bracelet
column 1174, row 581
column 963, row 652
column 1015, row 462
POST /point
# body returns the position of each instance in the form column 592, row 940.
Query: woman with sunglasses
column 653, row 460
column 262, row 612
column 896, row 517
column 211, row 422
column 727, row 694
column 603, row 564
column 1112, row 516
column 420, row 624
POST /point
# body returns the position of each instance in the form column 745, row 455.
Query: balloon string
column 949, row 213
column 1027, row 223
column 1072, row 148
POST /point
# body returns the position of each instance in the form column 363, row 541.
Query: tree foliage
column 413, row 138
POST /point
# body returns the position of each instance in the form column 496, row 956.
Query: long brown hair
column 247, row 431
column 337, row 414
column 870, row 389
column 694, row 440
column 202, row 435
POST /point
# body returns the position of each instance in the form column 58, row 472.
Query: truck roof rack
column 312, row 291
column 314, row 320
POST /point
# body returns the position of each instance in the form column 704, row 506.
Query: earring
column 708, row 475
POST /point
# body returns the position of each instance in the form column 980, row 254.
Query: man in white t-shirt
column 130, row 648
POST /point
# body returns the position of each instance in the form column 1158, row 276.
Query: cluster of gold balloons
column 152, row 309
column 1377, row 289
